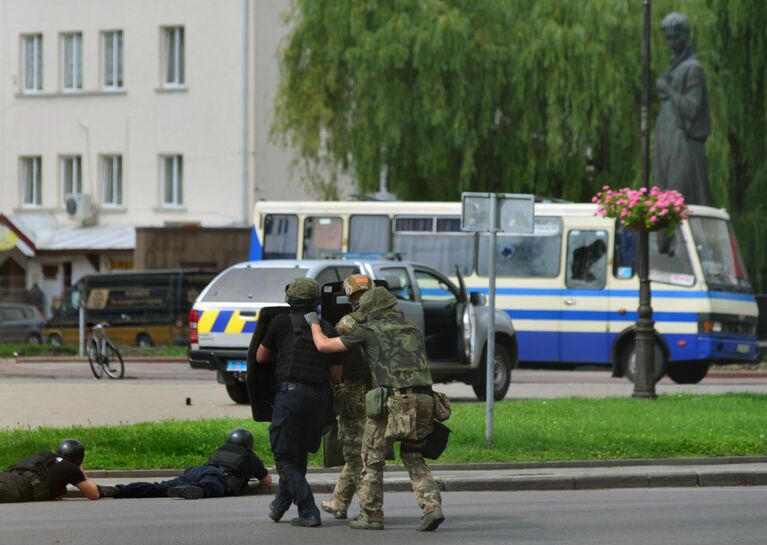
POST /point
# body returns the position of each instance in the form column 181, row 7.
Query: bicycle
column 103, row 356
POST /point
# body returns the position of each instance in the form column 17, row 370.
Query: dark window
column 280, row 236
column 536, row 255
column 253, row 284
column 322, row 237
column 414, row 225
column 586, row 259
column 369, row 234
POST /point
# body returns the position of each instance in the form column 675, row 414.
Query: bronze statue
column 683, row 121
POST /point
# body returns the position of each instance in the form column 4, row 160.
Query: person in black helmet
column 226, row 473
column 45, row 475
column 303, row 377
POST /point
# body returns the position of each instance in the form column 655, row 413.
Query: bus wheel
column 629, row 362
column 144, row 341
column 688, row 373
column 55, row 340
column 238, row 392
column 501, row 374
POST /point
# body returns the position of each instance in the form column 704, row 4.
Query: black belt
column 226, row 471
column 411, row 390
column 289, row 386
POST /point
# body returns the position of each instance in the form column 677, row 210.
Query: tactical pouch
column 375, row 402
column 436, row 441
column 442, row 409
column 348, row 401
column 402, row 417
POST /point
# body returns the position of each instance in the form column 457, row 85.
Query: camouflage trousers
column 374, row 449
column 351, row 425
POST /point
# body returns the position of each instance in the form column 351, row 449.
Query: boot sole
column 433, row 525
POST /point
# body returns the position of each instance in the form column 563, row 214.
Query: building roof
column 47, row 234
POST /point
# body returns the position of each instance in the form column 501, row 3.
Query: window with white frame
column 72, row 61
column 172, row 181
column 33, row 62
column 112, row 181
column 71, row 176
column 112, row 59
column 31, row 181
column 173, row 56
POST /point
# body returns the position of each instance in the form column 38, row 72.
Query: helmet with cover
column 241, row 437
column 72, row 451
column 302, row 292
column 355, row 285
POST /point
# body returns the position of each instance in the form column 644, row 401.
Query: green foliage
column 528, row 430
column 513, row 95
column 11, row 350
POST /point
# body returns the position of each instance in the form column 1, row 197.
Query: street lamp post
column 644, row 379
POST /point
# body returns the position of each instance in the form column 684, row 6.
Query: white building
column 140, row 113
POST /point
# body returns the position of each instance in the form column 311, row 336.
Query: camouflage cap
column 356, row 283
column 304, row 289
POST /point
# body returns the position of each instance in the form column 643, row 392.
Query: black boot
column 106, row 491
column 190, row 492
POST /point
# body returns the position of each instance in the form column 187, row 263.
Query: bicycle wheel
column 93, row 358
column 113, row 362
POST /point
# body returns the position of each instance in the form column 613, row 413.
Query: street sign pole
column 490, row 364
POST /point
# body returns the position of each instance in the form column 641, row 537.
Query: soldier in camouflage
column 397, row 358
column 349, row 401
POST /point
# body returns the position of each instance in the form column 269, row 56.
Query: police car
column 454, row 322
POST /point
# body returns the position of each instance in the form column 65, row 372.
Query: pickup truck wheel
column 501, row 374
column 238, row 392
column 688, row 373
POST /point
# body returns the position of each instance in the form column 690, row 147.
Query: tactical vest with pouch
column 233, row 459
column 299, row 359
column 35, row 469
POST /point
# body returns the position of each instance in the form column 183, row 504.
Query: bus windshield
column 719, row 254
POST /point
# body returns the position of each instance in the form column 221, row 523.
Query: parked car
column 143, row 308
column 20, row 323
column 454, row 323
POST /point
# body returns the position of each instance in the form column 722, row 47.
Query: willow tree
column 510, row 95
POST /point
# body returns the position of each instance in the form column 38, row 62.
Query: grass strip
column 680, row 425
column 32, row 350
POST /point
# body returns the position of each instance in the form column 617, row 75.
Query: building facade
column 116, row 115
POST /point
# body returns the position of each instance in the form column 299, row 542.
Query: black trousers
column 210, row 478
column 296, row 430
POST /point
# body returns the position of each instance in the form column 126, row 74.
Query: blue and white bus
column 570, row 287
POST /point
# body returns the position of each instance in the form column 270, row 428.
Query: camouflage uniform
column 349, row 400
column 397, row 359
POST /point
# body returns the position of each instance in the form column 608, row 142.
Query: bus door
column 584, row 326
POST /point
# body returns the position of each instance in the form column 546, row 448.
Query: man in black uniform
column 226, row 474
column 45, row 475
column 302, row 374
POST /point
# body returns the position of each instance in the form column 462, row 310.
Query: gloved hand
column 311, row 318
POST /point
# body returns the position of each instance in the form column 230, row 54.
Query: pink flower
column 653, row 218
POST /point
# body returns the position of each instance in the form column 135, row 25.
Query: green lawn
column 11, row 350
column 529, row 430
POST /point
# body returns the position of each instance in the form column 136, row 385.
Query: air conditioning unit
column 81, row 207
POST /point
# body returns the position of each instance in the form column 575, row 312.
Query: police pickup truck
column 454, row 322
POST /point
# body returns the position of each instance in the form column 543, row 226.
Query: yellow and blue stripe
column 225, row 321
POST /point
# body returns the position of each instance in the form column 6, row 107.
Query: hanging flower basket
column 642, row 209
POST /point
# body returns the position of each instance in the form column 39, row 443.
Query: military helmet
column 72, row 451
column 242, row 437
column 356, row 283
column 302, row 289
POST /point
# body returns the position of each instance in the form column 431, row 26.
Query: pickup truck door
column 466, row 317
column 401, row 287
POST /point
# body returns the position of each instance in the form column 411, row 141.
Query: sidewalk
column 741, row 471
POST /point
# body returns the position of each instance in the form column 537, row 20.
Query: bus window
column 369, row 234
column 280, row 236
column 719, row 255
column 586, row 259
column 322, row 237
column 625, row 254
column 535, row 255
column 415, row 239
column 669, row 260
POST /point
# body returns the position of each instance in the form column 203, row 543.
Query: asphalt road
column 694, row 516
column 62, row 394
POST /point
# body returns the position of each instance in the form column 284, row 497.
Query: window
column 586, row 259
column 172, row 181
column 322, row 237
column 369, row 234
column 112, row 61
column 173, row 56
column 33, row 62
column 327, row 275
column 280, row 236
column 719, row 255
column 72, row 68
column 535, row 255
column 31, row 188
column 669, row 260
column 433, row 288
column 71, row 176
column 399, row 283
column 112, row 180
column 253, row 284
column 435, row 242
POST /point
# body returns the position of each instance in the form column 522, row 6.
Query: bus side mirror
column 477, row 299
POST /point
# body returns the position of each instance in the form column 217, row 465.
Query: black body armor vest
column 231, row 457
column 35, row 469
column 299, row 360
